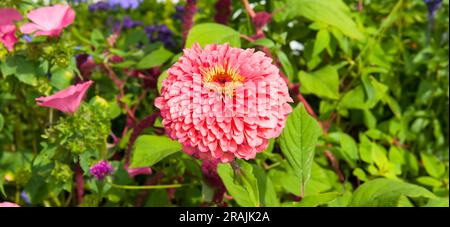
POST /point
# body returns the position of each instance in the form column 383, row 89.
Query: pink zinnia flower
column 49, row 20
column 67, row 100
column 8, row 204
column 7, row 27
column 222, row 102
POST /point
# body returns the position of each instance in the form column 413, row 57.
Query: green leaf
column 360, row 174
column 124, row 64
column 267, row 194
column 9, row 66
column 210, row 33
column 207, row 192
column 322, row 42
column 386, row 192
column 149, row 149
column 161, row 77
column 298, row 142
column 332, row 12
column 241, row 184
column 349, row 149
column 322, row 180
column 382, row 92
column 61, row 78
column 287, row 66
column 438, row 202
column 429, row 181
column 315, row 200
column 432, row 165
column 155, row 58
column 23, row 69
column 411, row 163
column 353, row 99
column 323, row 82
column 263, row 42
column 2, row 122
column 2, row 187
column 97, row 37
column 285, row 179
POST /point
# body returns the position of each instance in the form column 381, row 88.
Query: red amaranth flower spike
column 188, row 17
column 223, row 11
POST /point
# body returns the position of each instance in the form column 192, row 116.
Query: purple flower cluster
column 179, row 11
column 101, row 170
column 130, row 23
column 433, row 6
column 126, row 23
column 99, row 6
column 125, row 4
column 111, row 4
column 160, row 33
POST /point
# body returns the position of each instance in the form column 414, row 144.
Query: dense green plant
column 369, row 79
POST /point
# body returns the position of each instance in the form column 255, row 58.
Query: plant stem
column 148, row 187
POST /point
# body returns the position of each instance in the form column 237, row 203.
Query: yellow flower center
column 222, row 80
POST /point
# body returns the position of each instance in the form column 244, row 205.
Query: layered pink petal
column 67, row 100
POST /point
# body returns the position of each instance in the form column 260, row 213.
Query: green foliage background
column 377, row 80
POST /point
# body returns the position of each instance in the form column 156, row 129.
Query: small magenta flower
column 49, row 20
column 101, row 170
column 67, row 100
column 7, row 27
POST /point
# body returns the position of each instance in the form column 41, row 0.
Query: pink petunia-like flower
column 67, row 100
column 49, row 20
column 8, row 204
column 7, row 27
column 223, row 103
